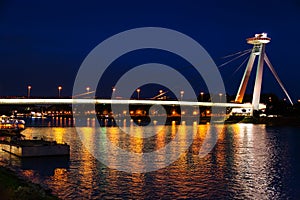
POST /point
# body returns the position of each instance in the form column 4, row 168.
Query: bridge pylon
column 259, row 42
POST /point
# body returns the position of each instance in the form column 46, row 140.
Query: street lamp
column 220, row 94
column 28, row 91
column 87, row 89
column 138, row 91
column 202, row 93
column 181, row 94
column 113, row 90
column 59, row 89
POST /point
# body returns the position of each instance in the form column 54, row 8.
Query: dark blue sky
column 42, row 43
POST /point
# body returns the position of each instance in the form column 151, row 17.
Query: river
column 248, row 162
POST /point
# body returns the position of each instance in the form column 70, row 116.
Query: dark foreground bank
column 13, row 187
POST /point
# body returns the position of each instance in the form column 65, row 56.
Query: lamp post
column 160, row 94
column 87, row 89
column 202, row 93
column 59, row 90
column 138, row 92
column 220, row 95
column 113, row 90
column 181, row 95
column 28, row 91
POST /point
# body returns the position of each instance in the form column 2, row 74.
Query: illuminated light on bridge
column 28, row 91
column 59, row 90
column 138, row 92
column 87, row 89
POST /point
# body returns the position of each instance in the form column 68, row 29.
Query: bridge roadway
column 121, row 101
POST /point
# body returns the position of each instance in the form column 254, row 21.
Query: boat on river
column 10, row 126
column 35, row 147
column 13, row 142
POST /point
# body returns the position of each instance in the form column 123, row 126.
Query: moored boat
column 35, row 148
column 13, row 142
column 10, row 126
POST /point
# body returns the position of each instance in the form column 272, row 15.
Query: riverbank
column 14, row 187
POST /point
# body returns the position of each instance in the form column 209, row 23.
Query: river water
column 248, row 162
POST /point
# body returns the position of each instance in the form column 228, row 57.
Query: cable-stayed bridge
column 258, row 42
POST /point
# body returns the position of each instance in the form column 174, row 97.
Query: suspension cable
column 230, row 55
column 234, row 59
column 237, row 69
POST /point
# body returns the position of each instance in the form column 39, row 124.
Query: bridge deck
column 120, row 101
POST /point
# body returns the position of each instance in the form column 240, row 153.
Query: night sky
column 43, row 43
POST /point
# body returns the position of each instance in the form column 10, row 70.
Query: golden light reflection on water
column 241, row 164
column 160, row 137
column 59, row 135
column 136, row 142
column 240, row 158
column 60, row 177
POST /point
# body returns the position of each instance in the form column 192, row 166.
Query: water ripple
column 248, row 162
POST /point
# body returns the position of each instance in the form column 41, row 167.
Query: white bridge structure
column 121, row 102
column 258, row 42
